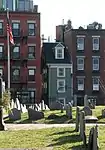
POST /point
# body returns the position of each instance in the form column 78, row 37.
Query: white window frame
column 96, row 86
column 96, row 46
column 80, row 46
column 56, row 53
column 80, row 86
column 95, row 66
column 62, row 98
column 58, row 71
column 80, row 66
column 58, row 88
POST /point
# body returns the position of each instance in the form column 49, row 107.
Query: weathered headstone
column 2, row 124
column 87, row 110
column 93, row 143
column 103, row 112
column 56, row 106
column 82, row 127
column 85, row 100
column 68, row 108
column 35, row 115
column 15, row 114
column 95, row 138
column 77, row 119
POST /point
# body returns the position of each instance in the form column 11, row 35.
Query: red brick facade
column 88, row 53
column 25, row 64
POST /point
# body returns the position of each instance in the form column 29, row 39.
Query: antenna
column 62, row 21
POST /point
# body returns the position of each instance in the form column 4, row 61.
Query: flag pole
column 8, row 45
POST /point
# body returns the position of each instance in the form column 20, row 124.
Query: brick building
column 25, row 55
column 87, row 48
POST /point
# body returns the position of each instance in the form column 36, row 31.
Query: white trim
column 80, row 77
column 31, row 21
column 1, row 21
column 62, row 98
column 31, row 67
column 56, row 51
column 29, row 44
column 58, row 71
column 1, row 44
column 80, row 56
column 95, row 36
column 81, row 36
column 95, row 56
column 66, row 66
column 58, row 85
column 59, row 45
column 15, row 21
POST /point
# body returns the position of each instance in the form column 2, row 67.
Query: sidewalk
column 41, row 126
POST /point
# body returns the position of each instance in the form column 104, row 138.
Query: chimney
column 35, row 8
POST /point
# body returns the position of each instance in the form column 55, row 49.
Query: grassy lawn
column 58, row 138
column 61, row 117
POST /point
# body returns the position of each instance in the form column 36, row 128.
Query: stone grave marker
column 77, row 119
column 87, row 110
column 68, row 108
column 34, row 115
column 15, row 114
column 103, row 112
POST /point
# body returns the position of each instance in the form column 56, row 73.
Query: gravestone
column 87, row 110
column 15, row 114
column 56, row 106
column 77, row 119
column 103, row 112
column 34, row 115
column 68, row 108
column 85, row 100
column 17, row 104
column 82, row 124
column 2, row 124
column 93, row 143
column 75, row 100
column 23, row 108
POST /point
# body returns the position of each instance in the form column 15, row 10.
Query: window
column 60, row 86
column 1, row 51
column 16, row 74
column 32, row 96
column 16, row 52
column 95, row 83
column 16, row 29
column 59, row 53
column 80, row 63
column 31, row 52
column 80, row 43
column 31, row 74
column 80, row 84
column 62, row 101
column 1, row 28
column 60, row 72
column 95, row 43
column 31, row 29
column 1, row 71
column 95, row 63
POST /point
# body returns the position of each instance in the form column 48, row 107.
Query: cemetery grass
column 57, row 138
column 60, row 117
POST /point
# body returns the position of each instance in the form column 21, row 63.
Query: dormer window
column 59, row 53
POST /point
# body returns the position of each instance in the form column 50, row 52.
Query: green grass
column 62, row 118
column 58, row 138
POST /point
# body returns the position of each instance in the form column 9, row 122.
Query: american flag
column 9, row 30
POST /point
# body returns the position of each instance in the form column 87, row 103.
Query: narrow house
column 56, row 73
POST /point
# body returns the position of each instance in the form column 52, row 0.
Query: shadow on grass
column 59, row 120
column 27, row 121
column 70, row 139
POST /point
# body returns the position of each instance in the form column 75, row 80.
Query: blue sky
column 81, row 12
